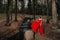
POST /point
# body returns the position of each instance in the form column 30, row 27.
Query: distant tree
column 42, row 4
column 7, row 14
column 34, row 2
column 54, row 12
column 11, row 8
column 29, row 7
column 0, row 1
column 15, row 10
column 0, row 4
column 50, row 7
column 22, row 5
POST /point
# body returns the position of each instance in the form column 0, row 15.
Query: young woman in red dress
column 37, row 26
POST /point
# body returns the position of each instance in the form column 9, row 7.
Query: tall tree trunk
column 34, row 7
column 47, row 9
column 11, row 8
column 29, row 7
column 7, row 14
column 16, row 10
column 22, row 6
column 0, row 2
column 54, row 12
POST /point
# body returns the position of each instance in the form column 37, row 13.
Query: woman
column 37, row 26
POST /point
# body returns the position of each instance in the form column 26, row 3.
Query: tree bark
column 54, row 12
column 7, row 14
column 29, row 7
column 34, row 6
column 16, row 10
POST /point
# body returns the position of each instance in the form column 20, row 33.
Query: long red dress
column 37, row 25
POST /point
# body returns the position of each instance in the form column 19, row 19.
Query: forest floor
column 49, row 33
